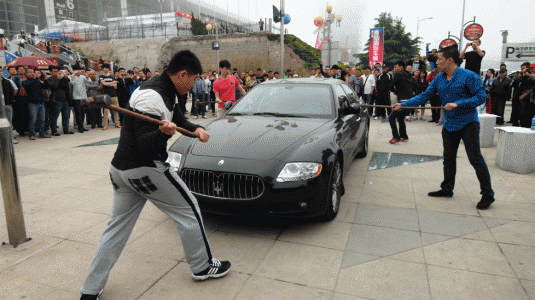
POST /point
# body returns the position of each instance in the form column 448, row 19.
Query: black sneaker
column 215, row 270
column 485, row 202
column 441, row 193
column 55, row 134
column 89, row 297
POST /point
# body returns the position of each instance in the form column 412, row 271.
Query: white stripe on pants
column 167, row 192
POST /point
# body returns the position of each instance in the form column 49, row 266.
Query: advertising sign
column 376, row 46
column 447, row 43
column 65, row 10
column 473, row 31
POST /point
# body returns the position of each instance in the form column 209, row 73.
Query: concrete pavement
column 389, row 241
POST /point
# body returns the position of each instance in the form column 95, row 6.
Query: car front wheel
column 335, row 192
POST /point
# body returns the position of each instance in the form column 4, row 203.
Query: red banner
column 376, row 46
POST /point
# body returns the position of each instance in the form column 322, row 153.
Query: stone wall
column 244, row 51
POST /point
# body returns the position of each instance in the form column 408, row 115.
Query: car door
column 350, row 126
column 361, row 120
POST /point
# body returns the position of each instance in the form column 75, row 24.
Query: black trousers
column 527, row 113
column 516, row 109
column 21, row 116
column 78, row 114
column 383, row 98
column 435, row 113
column 94, row 116
column 497, row 107
column 399, row 116
column 470, row 136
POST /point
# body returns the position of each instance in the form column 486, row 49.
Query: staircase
column 40, row 53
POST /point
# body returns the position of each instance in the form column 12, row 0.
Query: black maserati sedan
column 279, row 151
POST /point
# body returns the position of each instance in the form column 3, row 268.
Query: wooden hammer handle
column 390, row 106
column 146, row 118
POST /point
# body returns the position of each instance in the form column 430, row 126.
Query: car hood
column 253, row 137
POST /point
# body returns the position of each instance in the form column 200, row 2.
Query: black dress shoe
column 55, row 134
column 81, row 131
column 441, row 193
column 68, row 132
column 485, row 202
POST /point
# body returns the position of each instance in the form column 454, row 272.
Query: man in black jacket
column 499, row 91
column 400, row 86
column 383, row 92
column 515, row 101
column 58, row 84
column 141, row 170
column 123, row 90
column 34, row 90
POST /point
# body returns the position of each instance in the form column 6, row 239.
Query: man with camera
column 473, row 58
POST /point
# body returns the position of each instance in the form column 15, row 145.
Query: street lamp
column 215, row 44
column 418, row 25
column 328, row 22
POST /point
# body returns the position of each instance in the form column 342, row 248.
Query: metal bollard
column 10, row 184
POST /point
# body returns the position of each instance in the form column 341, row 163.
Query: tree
column 197, row 26
column 398, row 44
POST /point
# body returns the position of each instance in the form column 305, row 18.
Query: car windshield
column 287, row 100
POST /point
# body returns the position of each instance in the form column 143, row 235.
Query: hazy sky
column 494, row 15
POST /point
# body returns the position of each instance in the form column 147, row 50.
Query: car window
column 310, row 100
column 350, row 93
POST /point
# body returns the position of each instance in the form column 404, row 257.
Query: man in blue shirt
column 461, row 92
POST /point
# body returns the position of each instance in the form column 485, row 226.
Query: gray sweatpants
column 132, row 188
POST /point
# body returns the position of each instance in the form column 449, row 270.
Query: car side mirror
column 347, row 108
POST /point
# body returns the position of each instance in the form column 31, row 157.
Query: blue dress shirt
column 465, row 89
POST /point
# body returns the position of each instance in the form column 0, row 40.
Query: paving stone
column 332, row 235
column 518, row 233
column 469, row 255
column 178, row 284
column 387, row 216
column 352, row 259
column 381, row 241
column 266, row 289
column 416, row 256
column 302, row 264
column 385, row 279
column 449, row 224
column 446, row 283
column 522, row 259
column 429, row 238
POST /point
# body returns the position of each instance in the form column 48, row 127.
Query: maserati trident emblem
column 218, row 187
column 221, row 162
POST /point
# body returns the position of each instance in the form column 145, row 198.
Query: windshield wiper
column 279, row 115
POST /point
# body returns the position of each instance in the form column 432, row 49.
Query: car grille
column 225, row 185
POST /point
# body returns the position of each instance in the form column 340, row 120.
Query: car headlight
column 299, row 171
column 174, row 159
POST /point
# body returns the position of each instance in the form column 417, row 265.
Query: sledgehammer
column 105, row 101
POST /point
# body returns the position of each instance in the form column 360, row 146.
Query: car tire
column 364, row 151
column 335, row 192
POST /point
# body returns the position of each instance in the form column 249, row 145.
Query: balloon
column 318, row 24
column 287, row 19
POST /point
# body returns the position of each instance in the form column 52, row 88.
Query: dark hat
column 503, row 70
column 336, row 67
